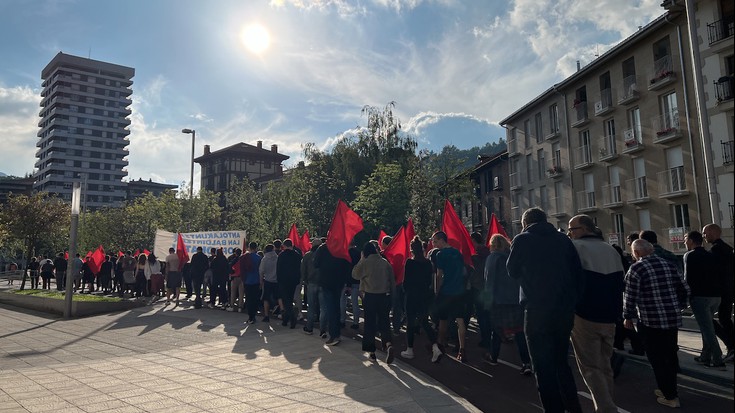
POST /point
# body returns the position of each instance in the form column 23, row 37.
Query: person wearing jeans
column 700, row 272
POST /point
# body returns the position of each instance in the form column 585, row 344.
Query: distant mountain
column 2, row 174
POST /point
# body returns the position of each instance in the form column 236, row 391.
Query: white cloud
column 19, row 107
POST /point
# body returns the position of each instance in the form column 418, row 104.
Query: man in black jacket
column 334, row 274
column 700, row 272
column 724, row 255
column 549, row 271
column 199, row 264
column 288, row 274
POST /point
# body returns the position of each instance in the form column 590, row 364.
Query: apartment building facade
column 618, row 140
column 490, row 177
column 83, row 131
column 713, row 25
column 237, row 162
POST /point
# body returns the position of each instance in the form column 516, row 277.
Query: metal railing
column 662, row 68
column 586, row 200
column 672, row 181
column 611, row 195
column 580, row 109
column 727, row 151
column 721, row 29
column 666, row 123
column 605, row 101
column 628, row 89
column 515, row 180
column 608, row 147
column 638, row 189
column 584, row 156
column 724, row 88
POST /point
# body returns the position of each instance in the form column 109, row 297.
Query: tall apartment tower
column 84, row 129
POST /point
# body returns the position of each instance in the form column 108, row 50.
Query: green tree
column 383, row 200
column 33, row 218
column 244, row 211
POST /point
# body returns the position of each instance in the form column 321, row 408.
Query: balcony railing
column 557, row 207
column 724, row 89
column 638, row 190
column 721, row 29
column 586, row 201
column 628, row 90
column 580, row 108
column 515, row 180
column 608, row 148
column 612, row 196
column 666, row 127
column 584, row 157
column 672, row 182
column 513, row 147
column 515, row 213
column 727, row 151
column 554, row 170
column 663, row 73
column 604, row 105
column 633, row 140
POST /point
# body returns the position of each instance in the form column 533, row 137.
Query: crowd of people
column 542, row 291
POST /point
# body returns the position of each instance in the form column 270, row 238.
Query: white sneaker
column 407, row 354
column 436, row 354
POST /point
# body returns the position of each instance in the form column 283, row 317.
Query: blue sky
column 453, row 67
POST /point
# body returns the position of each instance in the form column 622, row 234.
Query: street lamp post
column 76, row 195
column 193, row 137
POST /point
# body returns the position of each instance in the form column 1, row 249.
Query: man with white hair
column 655, row 293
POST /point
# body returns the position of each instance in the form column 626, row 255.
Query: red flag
column 305, row 242
column 136, row 253
column 98, row 257
column 89, row 254
column 380, row 238
column 410, row 234
column 396, row 253
column 66, row 255
column 345, row 225
column 120, row 254
column 236, row 269
column 494, row 228
column 294, row 235
column 181, row 252
column 146, row 252
column 457, row 234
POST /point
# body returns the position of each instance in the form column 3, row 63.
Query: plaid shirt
column 655, row 293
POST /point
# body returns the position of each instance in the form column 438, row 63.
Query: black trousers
column 286, row 293
column 218, row 289
column 661, row 347
column 376, row 308
column 417, row 316
column 724, row 325
column 252, row 299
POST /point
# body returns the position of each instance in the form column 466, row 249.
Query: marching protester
column 199, row 265
column 288, row 274
column 725, row 262
column 417, row 285
column 268, row 280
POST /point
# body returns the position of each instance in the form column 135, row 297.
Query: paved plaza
column 166, row 358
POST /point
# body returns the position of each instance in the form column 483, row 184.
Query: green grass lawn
column 60, row 296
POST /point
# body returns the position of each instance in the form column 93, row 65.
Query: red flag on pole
column 345, row 225
column 181, row 252
column 136, row 253
column 305, row 242
column 410, row 234
column 294, row 235
column 146, row 252
column 66, row 255
column 494, row 228
column 457, row 234
column 120, row 254
column 98, row 257
column 89, row 254
column 396, row 253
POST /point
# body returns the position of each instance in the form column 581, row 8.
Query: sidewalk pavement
column 161, row 358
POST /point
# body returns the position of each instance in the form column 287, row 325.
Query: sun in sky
column 255, row 38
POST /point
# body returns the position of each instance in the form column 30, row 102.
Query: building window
column 554, row 118
column 644, row 219
column 527, row 133
column 540, row 163
column 634, row 123
column 618, row 226
column 539, row 128
column 529, row 167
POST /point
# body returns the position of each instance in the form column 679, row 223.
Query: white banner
column 227, row 240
